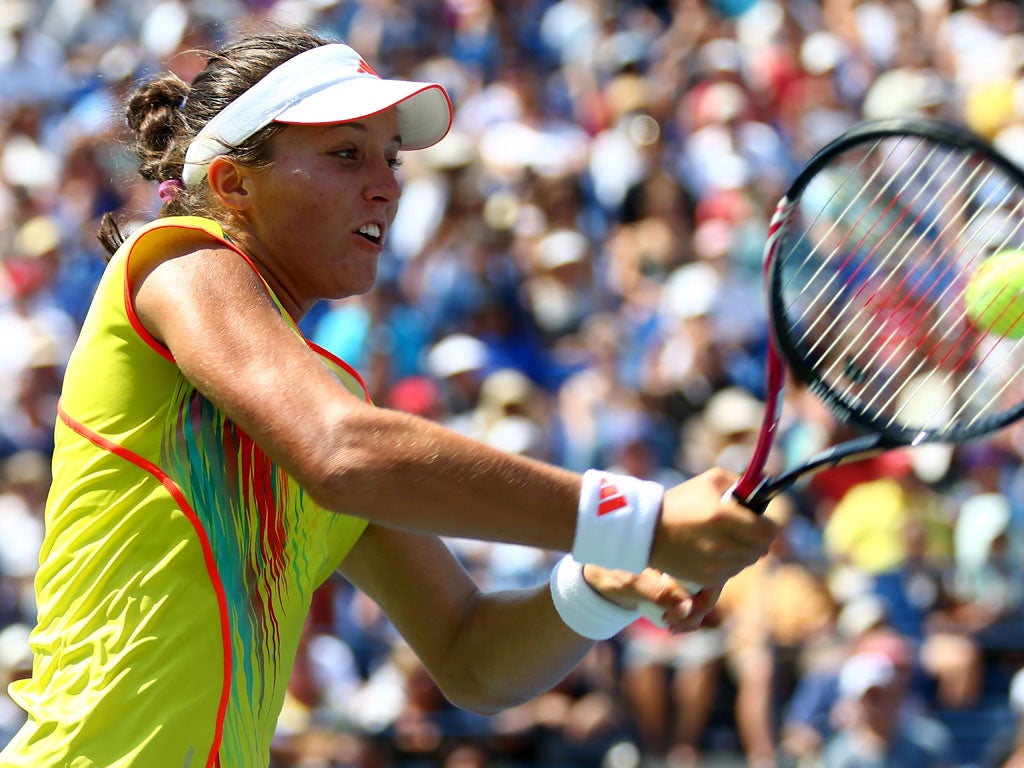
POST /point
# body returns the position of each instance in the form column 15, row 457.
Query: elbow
column 340, row 472
column 338, row 483
column 332, row 482
column 480, row 696
column 480, row 702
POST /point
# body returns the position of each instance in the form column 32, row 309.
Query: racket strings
column 872, row 279
column 875, row 306
column 957, row 376
column 967, row 385
column 882, row 266
column 833, row 223
column 998, row 378
column 955, row 385
column 945, row 307
column 827, row 263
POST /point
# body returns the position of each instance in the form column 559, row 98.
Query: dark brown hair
column 165, row 114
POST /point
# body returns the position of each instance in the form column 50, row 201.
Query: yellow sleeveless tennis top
column 178, row 563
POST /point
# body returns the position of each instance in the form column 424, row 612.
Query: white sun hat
column 864, row 671
column 324, row 85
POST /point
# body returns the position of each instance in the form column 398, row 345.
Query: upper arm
column 213, row 312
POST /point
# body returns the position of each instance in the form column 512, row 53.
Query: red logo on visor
column 366, row 69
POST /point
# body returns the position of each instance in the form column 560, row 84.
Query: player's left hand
column 683, row 611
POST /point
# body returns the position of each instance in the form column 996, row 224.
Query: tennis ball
column 995, row 295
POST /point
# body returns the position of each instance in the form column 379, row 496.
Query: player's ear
column 229, row 182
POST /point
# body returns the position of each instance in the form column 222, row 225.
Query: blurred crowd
column 574, row 274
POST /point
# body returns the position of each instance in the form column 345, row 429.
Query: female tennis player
column 212, row 467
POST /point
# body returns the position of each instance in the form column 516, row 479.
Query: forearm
column 486, row 651
column 405, row 472
column 490, row 651
column 581, row 602
column 409, row 473
column 494, row 664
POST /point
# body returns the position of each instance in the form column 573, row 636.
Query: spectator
column 1004, row 747
column 874, row 728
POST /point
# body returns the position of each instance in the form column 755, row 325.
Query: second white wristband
column 582, row 609
column 616, row 520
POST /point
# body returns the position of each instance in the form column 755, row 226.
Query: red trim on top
column 343, row 365
column 164, row 352
column 133, row 318
column 129, row 305
column 98, row 440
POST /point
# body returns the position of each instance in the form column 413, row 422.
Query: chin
column 356, row 287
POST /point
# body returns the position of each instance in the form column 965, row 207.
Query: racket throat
column 857, row 449
column 757, row 499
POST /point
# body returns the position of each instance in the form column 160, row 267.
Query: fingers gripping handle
column 615, row 526
column 756, row 503
column 656, row 614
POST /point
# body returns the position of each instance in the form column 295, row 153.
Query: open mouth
column 371, row 232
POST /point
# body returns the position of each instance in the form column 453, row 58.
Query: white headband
column 328, row 84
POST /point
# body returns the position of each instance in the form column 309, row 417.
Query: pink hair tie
column 170, row 189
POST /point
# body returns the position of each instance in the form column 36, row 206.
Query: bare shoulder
column 196, row 282
column 194, row 260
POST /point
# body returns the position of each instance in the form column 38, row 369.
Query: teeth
column 372, row 230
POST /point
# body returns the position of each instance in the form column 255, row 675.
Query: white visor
column 324, row 85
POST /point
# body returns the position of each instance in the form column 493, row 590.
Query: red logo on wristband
column 611, row 498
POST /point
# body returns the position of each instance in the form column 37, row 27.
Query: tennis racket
column 871, row 271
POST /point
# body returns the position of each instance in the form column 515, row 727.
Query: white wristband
column 616, row 520
column 582, row 609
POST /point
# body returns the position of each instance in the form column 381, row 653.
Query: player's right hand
column 704, row 536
